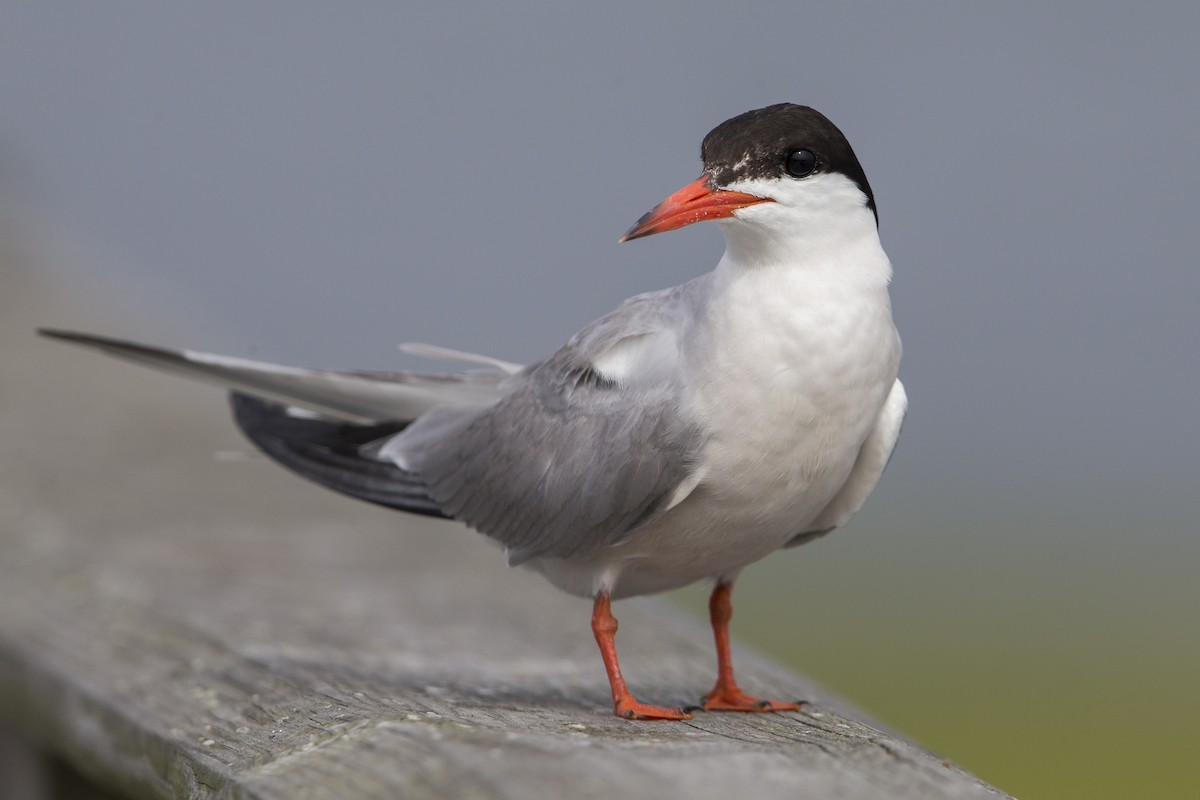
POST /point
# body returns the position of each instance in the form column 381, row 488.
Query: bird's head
column 778, row 173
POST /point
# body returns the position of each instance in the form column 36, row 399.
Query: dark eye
column 801, row 163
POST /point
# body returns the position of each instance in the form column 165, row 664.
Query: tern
column 687, row 434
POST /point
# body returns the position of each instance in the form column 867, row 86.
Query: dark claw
column 692, row 709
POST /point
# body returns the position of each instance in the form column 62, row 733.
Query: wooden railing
column 178, row 625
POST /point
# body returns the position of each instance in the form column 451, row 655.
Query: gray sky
column 314, row 182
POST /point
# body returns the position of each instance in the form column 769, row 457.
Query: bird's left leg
column 725, row 695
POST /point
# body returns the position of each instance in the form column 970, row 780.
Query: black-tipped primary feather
column 331, row 453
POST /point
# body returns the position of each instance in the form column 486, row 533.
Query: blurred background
column 312, row 183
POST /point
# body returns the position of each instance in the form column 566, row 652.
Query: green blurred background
column 312, row 183
column 1054, row 654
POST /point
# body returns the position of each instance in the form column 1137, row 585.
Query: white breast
column 791, row 372
column 787, row 377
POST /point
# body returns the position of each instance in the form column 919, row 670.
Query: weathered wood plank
column 181, row 626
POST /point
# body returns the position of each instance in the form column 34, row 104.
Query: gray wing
column 561, row 458
column 572, row 459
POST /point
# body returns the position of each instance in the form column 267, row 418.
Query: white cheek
column 816, row 196
column 769, row 215
column 816, row 220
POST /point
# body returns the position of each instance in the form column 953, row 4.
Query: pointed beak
column 695, row 202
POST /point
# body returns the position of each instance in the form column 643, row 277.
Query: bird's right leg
column 604, row 625
column 726, row 696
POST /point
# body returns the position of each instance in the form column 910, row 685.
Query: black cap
column 756, row 146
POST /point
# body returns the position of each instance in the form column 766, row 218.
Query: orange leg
column 604, row 625
column 726, row 696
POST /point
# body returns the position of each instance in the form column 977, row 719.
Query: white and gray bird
column 687, row 434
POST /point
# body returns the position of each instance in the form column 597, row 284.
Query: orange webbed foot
column 628, row 708
column 721, row 699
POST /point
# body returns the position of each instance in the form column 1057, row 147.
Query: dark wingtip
column 77, row 337
column 57, row 333
column 106, row 343
column 330, row 453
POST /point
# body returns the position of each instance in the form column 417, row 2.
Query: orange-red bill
column 695, row 202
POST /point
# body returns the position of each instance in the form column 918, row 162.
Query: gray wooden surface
column 176, row 621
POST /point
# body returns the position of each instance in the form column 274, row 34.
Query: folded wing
column 553, row 460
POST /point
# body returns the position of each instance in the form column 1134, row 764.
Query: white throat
column 821, row 224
